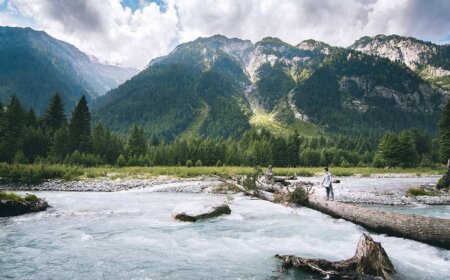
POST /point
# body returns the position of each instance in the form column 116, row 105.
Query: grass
column 419, row 191
column 30, row 198
column 267, row 120
column 35, row 173
column 11, row 196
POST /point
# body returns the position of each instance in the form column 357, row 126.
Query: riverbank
column 33, row 174
column 378, row 190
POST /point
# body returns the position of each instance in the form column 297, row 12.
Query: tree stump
column 369, row 262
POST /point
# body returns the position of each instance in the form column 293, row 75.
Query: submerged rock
column 369, row 262
column 14, row 205
column 192, row 212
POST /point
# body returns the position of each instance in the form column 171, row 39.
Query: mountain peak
column 313, row 45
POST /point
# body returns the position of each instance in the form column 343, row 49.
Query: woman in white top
column 327, row 183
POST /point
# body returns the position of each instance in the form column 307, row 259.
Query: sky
column 132, row 32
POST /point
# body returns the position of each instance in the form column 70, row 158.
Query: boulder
column 336, row 181
column 369, row 262
column 194, row 211
column 13, row 205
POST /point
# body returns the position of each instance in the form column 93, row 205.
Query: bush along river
column 130, row 233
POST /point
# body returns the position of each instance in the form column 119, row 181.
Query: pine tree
column 54, row 117
column 80, row 127
column 444, row 134
column 31, row 119
column 13, row 130
column 61, row 144
column 390, row 149
column 407, row 156
column 136, row 144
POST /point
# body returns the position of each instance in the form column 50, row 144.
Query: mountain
column 34, row 65
column 430, row 61
column 356, row 93
column 251, row 82
column 219, row 86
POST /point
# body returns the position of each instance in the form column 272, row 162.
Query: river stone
column 9, row 208
column 194, row 211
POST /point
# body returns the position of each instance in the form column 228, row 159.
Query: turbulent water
column 131, row 235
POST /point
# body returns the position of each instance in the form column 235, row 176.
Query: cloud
column 112, row 32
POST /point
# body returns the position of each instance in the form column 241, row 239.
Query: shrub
column 31, row 198
column 36, row 173
column 419, row 191
column 121, row 161
column 82, row 159
column 299, row 196
column 189, row 163
column 198, row 163
column 441, row 184
column 219, row 163
column 20, row 158
column 249, row 183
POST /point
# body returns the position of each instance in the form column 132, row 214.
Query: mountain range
column 35, row 65
column 219, row 86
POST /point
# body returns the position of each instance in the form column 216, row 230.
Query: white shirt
column 326, row 180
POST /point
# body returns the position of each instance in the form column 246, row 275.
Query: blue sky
column 137, row 4
column 132, row 32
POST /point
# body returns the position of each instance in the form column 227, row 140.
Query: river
column 131, row 235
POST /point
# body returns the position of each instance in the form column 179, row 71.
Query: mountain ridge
column 268, row 78
column 35, row 65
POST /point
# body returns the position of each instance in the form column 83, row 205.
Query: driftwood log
column 430, row 230
column 369, row 262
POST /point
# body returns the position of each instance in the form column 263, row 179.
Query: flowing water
column 131, row 235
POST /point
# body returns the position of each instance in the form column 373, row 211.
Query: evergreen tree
column 444, row 134
column 61, row 144
column 136, row 144
column 13, row 130
column 80, row 127
column 407, row 156
column 390, row 149
column 54, row 117
column 35, row 143
column 31, row 119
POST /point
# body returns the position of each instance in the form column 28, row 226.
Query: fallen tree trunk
column 434, row 231
column 370, row 261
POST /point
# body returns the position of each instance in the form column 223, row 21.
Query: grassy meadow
column 35, row 173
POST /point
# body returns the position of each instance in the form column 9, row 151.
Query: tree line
column 53, row 138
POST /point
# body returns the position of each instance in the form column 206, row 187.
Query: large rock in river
column 14, row 205
column 199, row 210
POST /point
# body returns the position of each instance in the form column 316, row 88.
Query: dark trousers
column 330, row 191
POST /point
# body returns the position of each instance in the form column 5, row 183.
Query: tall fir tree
column 444, row 134
column 13, row 129
column 80, row 127
column 136, row 144
column 55, row 117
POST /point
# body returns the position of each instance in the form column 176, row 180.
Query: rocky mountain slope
column 34, row 65
column 429, row 60
column 234, row 84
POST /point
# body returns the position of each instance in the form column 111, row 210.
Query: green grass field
column 35, row 173
column 267, row 120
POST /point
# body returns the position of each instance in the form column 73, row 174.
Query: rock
column 369, row 262
column 18, row 206
column 336, row 181
column 192, row 212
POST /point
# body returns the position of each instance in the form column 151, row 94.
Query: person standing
column 327, row 183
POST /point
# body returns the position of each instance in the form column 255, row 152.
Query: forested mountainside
column 34, row 65
column 219, row 86
column 430, row 61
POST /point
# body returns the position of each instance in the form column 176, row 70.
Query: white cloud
column 111, row 32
